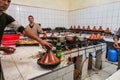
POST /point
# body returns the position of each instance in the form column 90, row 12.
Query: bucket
column 9, row 39
column 113, row 54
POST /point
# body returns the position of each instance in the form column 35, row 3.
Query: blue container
column 112, row 54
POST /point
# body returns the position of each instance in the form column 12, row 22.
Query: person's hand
column 46, row 44
column 116, row 46
column 8, row 49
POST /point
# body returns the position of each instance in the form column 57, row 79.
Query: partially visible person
column 117, row 46
column 35, row 28
column 7, row 20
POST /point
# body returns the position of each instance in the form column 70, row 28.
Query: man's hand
column 7, row 49
column 46, row 44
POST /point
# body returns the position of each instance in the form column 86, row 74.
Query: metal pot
column 81, row 38
column 62, row 38
column 70, row 38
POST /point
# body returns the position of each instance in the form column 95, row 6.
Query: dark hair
column 30, row 16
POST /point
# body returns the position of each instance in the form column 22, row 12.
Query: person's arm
column 116, row 45
column 31, row 35
column 26, row 32
column 7, row 49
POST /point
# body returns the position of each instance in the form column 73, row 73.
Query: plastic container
column 9, row 39
column 112, row 54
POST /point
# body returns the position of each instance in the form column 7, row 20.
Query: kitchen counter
column 22, row 65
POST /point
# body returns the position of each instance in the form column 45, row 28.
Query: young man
column 7, row 20
column 34, row 27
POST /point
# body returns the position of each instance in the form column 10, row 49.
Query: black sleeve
column 10, row 19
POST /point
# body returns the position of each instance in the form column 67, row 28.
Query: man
column 7, row 20
column 34, row 27
column 116, row 45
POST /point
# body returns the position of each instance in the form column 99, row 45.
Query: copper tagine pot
column 88, row 28
column 107, row 30
column 94, row 28
column 52, row 35
column 49, row 60
column 74, row 27
column 83, row 28
column 45, row 35
column 100, row 28
column 71, row 27
column 92, row 37
column 98, row 36
column 78, row 27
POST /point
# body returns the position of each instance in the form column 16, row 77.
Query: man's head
column 31, row 19
column 4, row 4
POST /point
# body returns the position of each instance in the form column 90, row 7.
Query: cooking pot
column 62, row 38
column 70, row 38
column 81, row 38
column 49, row 60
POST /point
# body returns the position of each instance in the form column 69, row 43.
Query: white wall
column 50, row 4
column 80, row 4
column 104, row 15
column 47, row 17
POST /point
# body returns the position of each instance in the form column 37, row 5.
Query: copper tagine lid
column 98, row 36
column 88, row 28
column 94, row 28
column 45, row 35
column 92, row 37
column 74, row 27
column 107, row 30
column 83, row 28
column 65, row 34
column 52, row 35
column 49, row 59
column 78, row 27
column 71, row 27
column 100, row 28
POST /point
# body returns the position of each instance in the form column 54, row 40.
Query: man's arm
column 26, row 32
column 31, row 35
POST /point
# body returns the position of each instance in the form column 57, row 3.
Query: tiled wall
column 105, row 15
column 47, row 17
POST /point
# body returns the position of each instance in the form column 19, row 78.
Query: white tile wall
column 105, row 15
column 47, row 17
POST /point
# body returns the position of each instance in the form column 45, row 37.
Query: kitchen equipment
column 83, row 28
column 70, row 38
column 92, row 37
column 52, row 35
column 9, row 39
column 81, row 38
column 107, row 30
column 88, row 28
column 74, row 27
column 49, row 60
column 78, row 27
column 45, row 35
column 113, row 54
column 98, row 36
column 100, row 28
column 94, row 28
column 62, row 38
